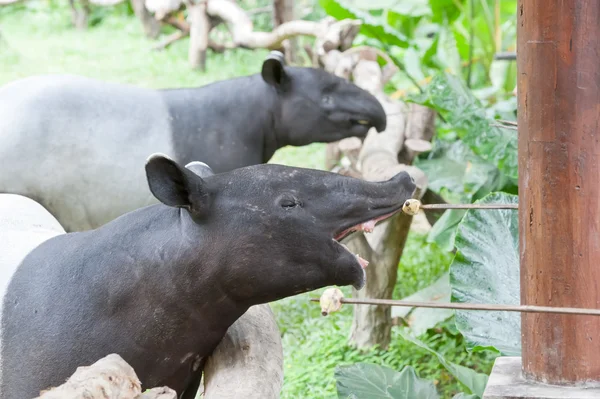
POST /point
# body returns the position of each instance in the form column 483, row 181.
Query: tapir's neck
column 182, row 264
column 244, row 106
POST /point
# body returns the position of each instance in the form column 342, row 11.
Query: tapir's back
column 78, row 145
column 24, row 224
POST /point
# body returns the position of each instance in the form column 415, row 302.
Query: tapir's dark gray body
column 161, row 285
column 87, row 137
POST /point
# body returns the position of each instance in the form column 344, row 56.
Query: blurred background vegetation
column 445, row 50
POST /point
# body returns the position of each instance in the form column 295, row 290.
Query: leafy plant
column 486, row 270
column 465, row 115
column 473, row 381
column 419, row 320
column 370, row 381
column 470, row 157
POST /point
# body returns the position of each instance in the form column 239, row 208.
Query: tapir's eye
column 288, row 203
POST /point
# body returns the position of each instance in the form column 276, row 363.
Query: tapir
column 87, row 136
column 161, row 285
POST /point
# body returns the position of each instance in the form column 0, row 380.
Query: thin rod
column 469, row 206
column 472, row 306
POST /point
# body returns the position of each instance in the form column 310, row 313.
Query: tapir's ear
column 273, row 71
column 200, row 168
column 176, row 186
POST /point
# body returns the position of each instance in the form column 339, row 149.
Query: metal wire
column 472, row 306
column 469, row 206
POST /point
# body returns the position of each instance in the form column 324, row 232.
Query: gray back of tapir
column 86, row 138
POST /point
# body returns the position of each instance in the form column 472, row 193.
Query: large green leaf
column 421, row 319
column 463, row 395
column 371, row 26
column 443, row 232
column 371, row 381
column 474, row 382
column 448, row 95
column 458, row 175
column 486, row 270
column 447, row 10
column 413, row 8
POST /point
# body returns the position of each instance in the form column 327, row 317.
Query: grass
column 39, row 40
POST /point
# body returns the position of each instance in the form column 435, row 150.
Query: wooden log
column 559, row 186
column 199, row 30
column 378, row 160
column 248, row 363
column 109, row 377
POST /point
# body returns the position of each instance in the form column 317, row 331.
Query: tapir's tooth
column 363, row 122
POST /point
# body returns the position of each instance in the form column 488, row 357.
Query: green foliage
column 429, row 36
column 370, row 381
column 473, row 381
column 366, row 381
column 463, row 113
column 42, row 40
column 314, row 345
column 460, row 176
column 486, row 270
column 372, row 26
column 419, row 320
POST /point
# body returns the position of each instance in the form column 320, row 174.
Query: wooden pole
column 559, row 186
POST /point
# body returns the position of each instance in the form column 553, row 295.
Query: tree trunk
column 149, row 23
column 79, row 17
column 379, row 160
column 199, row 29
column 283, row 11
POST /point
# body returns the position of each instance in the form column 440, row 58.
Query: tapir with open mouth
column 161, row 285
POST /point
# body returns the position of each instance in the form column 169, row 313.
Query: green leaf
column 445, row 10
column 443, row 232
column 373, row 4
column 422, row 319
column 413, row 8
column 371, row 26
column 458, row 175
column 474, row 382
column 447, row 51
column 463, row 395
column 412, row 64
column 371, row 381
column 448, row 95
column 485, row 269
column 455, row 168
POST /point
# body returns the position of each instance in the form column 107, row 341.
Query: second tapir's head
column 317, row 106
column 273, row 231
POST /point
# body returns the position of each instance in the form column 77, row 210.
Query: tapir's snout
column 379, row 117
column 373, row 112
column 364, row 205
column 363, row 108
column 370, row 202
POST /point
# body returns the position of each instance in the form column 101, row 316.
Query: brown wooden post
column 559, row 185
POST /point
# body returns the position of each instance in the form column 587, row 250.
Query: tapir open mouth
column 366, row 226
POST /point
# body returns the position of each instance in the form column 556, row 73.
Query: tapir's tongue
column 363, row 263
column 368, row 226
